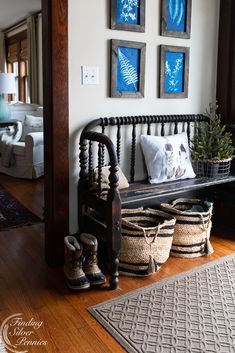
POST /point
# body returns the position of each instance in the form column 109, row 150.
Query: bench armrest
column 101, row 138
column 105, row 140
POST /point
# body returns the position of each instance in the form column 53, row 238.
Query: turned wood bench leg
column 114, row 244
column 114, row 275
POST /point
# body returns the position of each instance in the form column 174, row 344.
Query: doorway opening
column 56, row 137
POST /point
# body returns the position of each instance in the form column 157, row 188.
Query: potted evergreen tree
column 212, row 148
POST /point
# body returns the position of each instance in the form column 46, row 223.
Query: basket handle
column 208, row 247
column 205, row 226
column 145, row 233
column 155, row 235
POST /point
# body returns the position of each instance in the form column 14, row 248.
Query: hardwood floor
column 29, row 287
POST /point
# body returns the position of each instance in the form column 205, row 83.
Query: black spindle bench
column 113, row 141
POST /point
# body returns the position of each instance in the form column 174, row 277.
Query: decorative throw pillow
column 122, row 182
column 31, row 124
column 167, row 157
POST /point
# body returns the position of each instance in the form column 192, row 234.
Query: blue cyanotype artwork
column 128, row 66
column 128, row 11
column 174, row 72
column 176, row 15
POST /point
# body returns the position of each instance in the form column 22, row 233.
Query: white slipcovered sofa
column 21, row 145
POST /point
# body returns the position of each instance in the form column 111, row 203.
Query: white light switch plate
column 90, row 75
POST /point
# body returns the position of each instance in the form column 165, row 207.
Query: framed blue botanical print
column 176, row 18
column 174, row 71
column 127, row 69
column 128, row 15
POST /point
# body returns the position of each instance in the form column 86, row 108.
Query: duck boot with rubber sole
column 90, row 262
column 74, row 275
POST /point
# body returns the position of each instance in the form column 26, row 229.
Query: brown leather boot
column 75, row 277
column 90, row 263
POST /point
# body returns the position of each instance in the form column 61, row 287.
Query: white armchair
column 23, row 156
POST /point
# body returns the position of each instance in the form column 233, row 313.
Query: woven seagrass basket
column 192, row 228
column 146, row 239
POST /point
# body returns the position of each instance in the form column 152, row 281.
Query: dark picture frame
column 174, row 71
column 127, row 15
column 176, row 18
column 127, row 69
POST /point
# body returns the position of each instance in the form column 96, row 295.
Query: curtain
column 32, row 58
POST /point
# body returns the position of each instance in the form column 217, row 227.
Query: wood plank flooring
column 30, row 287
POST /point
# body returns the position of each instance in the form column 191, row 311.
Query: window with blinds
column 17, row 63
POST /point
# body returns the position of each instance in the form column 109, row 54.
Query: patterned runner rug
column 13, row 213
column 193, row 312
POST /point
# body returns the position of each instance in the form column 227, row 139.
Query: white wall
column 89, row 45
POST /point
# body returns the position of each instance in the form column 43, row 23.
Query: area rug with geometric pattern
column 193, row 312
column 13, row 213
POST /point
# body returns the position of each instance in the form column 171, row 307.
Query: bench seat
column 140, row 192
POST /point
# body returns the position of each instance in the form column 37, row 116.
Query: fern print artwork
column 174, row 72
column 128, row 11
column 128, row 69
column 176, row 16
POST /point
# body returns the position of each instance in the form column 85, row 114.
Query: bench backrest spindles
column 90, row 163
column 148, row 128
column 102, row 145
column 133, row 150
column 176, row 128
column 101, row 153
column 162, row 128
column 140, row 125
column 118, row 144
column 188, row 131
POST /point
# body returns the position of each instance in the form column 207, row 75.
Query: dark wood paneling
column 226, row 62
column 55, row 97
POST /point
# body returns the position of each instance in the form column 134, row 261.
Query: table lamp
column 7, row 86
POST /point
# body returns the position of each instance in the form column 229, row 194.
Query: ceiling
column 12, row 11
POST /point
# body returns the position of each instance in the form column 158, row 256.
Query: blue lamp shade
column 7, row 86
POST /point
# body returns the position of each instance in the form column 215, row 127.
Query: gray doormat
column 193, row 312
